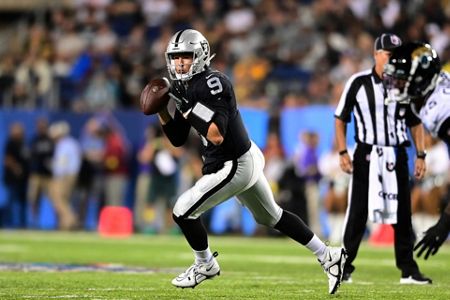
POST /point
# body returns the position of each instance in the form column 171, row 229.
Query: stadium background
column 289, row 60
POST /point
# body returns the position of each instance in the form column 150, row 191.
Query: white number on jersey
column 437, row 108
column 215, row 85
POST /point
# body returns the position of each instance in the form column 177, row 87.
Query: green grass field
column 252, row 268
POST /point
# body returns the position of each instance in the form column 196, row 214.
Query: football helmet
column 188, row 41
column 411, row 73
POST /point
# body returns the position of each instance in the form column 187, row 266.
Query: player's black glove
column 434, row 237
column 178, row 93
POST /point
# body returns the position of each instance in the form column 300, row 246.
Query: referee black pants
column 357, row 211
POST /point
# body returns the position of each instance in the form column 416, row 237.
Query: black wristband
column 421, row 154
column 343, row 152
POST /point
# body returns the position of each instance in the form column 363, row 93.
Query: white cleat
column 197, row 273
column 417, row 278
column 333, row 266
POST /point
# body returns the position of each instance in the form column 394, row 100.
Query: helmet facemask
column 411, row 73
column 172, row 67
column 396, row 85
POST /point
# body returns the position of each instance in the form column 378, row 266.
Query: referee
column 382, row 125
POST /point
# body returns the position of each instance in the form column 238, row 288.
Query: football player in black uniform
column 233, row 164
column 414, row 75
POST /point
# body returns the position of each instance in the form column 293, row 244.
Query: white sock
column 317, row 247
column 203, row 256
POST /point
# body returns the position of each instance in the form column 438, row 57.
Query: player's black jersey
column 213, row 100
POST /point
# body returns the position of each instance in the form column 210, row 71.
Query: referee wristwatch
column 343, row 152
column 422, row 154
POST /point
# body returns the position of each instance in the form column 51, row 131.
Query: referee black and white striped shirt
column 376, row 123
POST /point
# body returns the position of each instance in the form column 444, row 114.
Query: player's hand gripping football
column 434, row 237
column 178, row 94
column 155, row 96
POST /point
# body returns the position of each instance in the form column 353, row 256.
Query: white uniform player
column 436, row 110
column 414, row 75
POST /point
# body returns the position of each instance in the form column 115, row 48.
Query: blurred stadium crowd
column 92, row 54
column 96, row 55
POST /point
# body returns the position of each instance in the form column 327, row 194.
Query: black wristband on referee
column 343, row 152
column 421, row 154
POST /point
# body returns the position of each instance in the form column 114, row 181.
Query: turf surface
column 141, row 267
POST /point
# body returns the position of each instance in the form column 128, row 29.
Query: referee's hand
column 346, row 163
column 420, row 168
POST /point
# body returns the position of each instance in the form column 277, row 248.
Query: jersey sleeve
column 177, row 129
column 347, row 101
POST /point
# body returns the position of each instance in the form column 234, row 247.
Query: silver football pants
column 243, row 178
